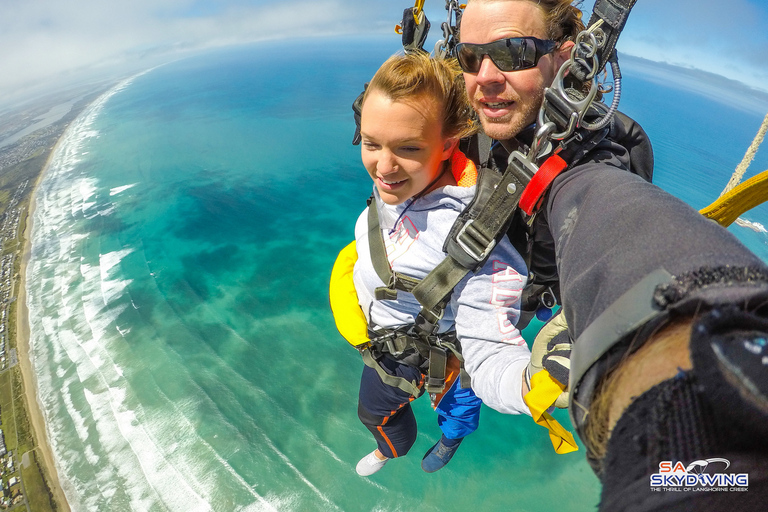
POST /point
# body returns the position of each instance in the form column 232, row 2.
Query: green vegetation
column 6, row 410
column 17, row 430
column 23, row 429
column 39, row 496
column 11, row 177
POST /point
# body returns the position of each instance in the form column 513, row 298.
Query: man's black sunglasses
column 511, row 54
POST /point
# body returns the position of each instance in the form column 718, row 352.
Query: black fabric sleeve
column 612, row 228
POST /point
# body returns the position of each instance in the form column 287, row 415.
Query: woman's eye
column 370, row 145
column 411, row 149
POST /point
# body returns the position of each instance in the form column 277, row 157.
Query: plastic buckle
column 391, row 347
column 472, row 252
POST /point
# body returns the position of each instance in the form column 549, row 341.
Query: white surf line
column 240, row 479
column 227, row 467
column 117, row 190
column 273, row 403
column 282, row 456
column 304, row 479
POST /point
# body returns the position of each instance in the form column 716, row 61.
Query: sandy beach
column 30, row 382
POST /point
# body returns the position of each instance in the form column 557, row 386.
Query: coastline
column 35, row 414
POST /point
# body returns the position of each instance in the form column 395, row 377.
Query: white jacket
column 484, row 307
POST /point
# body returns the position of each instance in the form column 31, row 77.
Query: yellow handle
column 740, row 199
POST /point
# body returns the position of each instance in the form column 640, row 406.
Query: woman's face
column 402, row 146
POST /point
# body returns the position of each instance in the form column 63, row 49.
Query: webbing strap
column 475, row 233
column 473, row 236
column 410, row 387
column 549, row 170
column 434, row 290
column 438, row 358
column 394, row 280
column 614, row 14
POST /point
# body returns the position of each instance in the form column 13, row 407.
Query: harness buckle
column 391, row 348
column 474, row 243
column 524, row 164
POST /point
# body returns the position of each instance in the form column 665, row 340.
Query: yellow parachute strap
column 738, row 200
column 544, row 391
column 349, row 318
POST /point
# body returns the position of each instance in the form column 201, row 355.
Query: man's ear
column 563, row 53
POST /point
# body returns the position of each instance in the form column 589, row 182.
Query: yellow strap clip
column 544, row 391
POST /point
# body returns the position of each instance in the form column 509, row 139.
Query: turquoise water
column 182, row 245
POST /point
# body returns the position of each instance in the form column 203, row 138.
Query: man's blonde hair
column 562, row 19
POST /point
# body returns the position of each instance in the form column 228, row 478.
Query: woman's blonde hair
column 408, row 76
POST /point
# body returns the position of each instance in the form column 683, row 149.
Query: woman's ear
column 449, row 147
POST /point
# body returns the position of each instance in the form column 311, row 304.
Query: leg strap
column 411, row 387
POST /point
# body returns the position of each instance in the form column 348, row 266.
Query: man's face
column 506, row 102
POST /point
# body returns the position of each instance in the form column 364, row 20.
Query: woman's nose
column 387, row 163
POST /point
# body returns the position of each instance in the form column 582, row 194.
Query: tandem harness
column 564, row 118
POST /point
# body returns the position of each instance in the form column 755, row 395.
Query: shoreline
column 29, row 380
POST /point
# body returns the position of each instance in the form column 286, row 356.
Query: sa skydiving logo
column 700, row 475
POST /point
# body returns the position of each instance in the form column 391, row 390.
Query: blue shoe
column 438, row 456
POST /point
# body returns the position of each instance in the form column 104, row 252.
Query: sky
column 47, row 43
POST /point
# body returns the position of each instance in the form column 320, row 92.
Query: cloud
column 47, row 41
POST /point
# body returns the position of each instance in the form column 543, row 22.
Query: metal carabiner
column 578, row 107
column 443, row 46
column 538, row 147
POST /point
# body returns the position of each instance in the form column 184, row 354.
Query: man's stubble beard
column 508, row 127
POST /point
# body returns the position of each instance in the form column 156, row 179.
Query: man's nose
column 488, row 72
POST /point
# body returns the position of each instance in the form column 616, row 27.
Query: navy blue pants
column 386, row 410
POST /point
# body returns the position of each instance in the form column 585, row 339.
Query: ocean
column 182, row 242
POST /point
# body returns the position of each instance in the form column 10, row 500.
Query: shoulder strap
column 394, row 280
column 477, row 148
